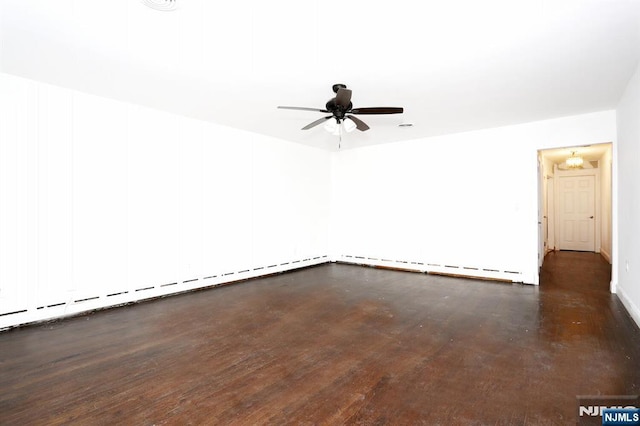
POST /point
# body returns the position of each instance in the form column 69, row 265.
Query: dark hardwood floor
column 333, row 344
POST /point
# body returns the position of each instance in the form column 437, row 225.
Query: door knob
column 590, row 217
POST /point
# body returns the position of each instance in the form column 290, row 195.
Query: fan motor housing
column 338, row 86
column 336, row 109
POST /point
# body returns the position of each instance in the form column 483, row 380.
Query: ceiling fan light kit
column 349, row 125
column 342, row 112
column 335, row 127
column 332, row 127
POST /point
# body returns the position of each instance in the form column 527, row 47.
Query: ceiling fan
column 341, row 109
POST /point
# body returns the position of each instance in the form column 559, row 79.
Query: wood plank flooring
column 333, row 344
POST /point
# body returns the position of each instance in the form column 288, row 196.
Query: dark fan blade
column 318, row 121
column 377, row 110
column 360, row 125
column 343, row 98
column 303, row 108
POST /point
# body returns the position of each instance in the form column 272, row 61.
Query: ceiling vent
column 163, row 5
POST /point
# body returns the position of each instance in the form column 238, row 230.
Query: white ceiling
column 454, row 65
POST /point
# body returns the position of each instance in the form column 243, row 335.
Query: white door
column 577, row 213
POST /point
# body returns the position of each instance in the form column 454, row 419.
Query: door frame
column 546, row 206
column 551, row 208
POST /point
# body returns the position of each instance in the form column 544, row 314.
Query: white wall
column 103, row 202
column 627, row 278
column 463, row 203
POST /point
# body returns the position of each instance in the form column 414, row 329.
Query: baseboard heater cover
column 466, row 271
column 24, row 315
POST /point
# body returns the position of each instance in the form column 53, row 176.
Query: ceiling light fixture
column 332, row 127
column 349, row 125
column 162, row 5
column 336, row 127
column 574, row 161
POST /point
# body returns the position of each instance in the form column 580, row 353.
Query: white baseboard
column 605, row 254
column 631, row 307
column 80, row 303
column 433, row 268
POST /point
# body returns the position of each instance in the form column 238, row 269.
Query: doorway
column 575, row 202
